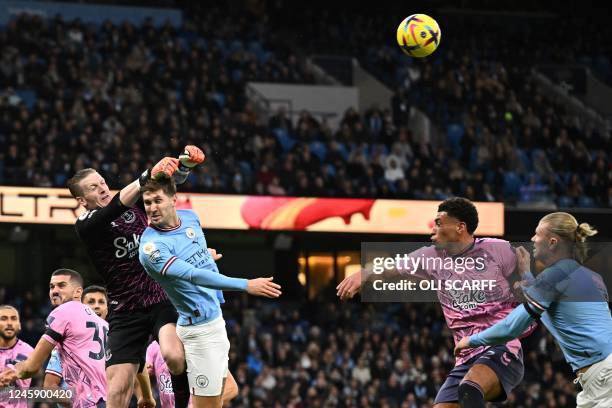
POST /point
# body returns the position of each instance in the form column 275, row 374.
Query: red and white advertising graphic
column 56, row 206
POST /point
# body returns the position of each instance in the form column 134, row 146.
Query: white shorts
column 596, row 385
column 207, row 355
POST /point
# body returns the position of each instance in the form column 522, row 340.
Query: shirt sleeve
column 414, row 265
column 545, row 289
column 505, row 330
column 508, row 259
column 93, row 221
column 157, row 258
column 57, row 324
column 54, row 366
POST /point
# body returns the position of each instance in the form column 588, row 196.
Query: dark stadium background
column 545, row 63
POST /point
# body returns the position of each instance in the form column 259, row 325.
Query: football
column 418, row 35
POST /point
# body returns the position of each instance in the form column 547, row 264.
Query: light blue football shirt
column 572, row 302
column 179, row 260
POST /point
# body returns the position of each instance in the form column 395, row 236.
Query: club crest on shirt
column 128, row 216
column 148, row 248
column 190, row 233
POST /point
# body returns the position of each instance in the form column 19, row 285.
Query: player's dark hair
column 463, row 210
column 73, row 183
column 74, row 275
column 166, row 185
column 94, row 289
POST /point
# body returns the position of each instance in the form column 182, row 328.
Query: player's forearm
column 27, row 369
column 51, row 381
column 214, row 280
column 130, row 194
column 180, row 176
column 30, row 366
column 505, row 330
column 142, row 386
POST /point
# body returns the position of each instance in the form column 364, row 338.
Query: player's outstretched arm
column 503, row 331
column 156, row 258
column 165, row 168
column 29, row 367
column 90, row 222
column 351, row 285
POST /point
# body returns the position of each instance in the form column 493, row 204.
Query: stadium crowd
column 119, row 97
column 329, row 354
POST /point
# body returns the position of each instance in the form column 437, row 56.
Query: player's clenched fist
column 165, row 168
column 192, row 156
column 263, row 287
column 7, row 377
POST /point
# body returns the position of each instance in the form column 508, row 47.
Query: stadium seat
column 319, row 150
column 286, row 141
column 586, row 202
column 454, row 135
column 28, row 97
column 565, row 202
column 512, row 184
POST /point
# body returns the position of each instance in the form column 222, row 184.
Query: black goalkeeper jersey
column 112, row 236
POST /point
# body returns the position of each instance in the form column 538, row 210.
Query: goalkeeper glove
column 165, row 168
column 191, row 157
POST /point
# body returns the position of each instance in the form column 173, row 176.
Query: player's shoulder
column 562, row 269
column 85, row 216
column 153, row 239
column 149, row 233
column 68, row 306
column 24, row 346
column 66, row 311
column 81, row 224
column 188, row 215
column 74, row 306
column 429, row 250
column 492, row 241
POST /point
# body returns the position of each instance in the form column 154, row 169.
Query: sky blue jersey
column 179, row 260
column 571, row 301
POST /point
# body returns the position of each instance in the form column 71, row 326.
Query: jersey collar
column 168, row 229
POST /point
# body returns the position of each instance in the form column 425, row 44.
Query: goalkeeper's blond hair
column 74, row 183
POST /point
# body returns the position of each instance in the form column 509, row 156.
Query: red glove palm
column 165, row 168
